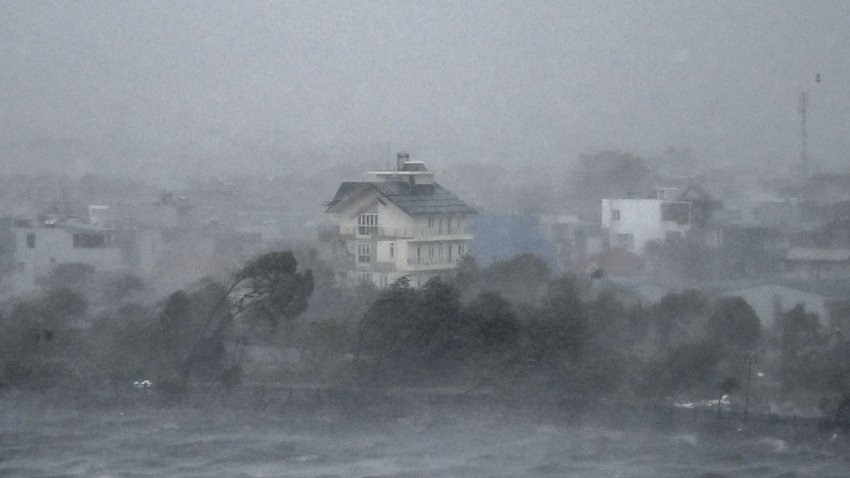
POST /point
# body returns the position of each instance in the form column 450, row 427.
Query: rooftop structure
column 402, row 224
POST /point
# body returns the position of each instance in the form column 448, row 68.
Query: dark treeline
column 510, row 328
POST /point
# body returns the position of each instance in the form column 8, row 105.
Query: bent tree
column 269, row 285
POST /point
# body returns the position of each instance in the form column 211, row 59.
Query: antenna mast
column 804, row 134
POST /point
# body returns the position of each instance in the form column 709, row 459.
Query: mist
column 544, row 238
column 154, row 89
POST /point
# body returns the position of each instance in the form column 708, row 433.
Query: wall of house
column 817, row 270
column 390, row 216
column 640, row 222
column 438, row 224
column 55, row 246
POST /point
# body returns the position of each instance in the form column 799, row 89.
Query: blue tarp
column 500, row 237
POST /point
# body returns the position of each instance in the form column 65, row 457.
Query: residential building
column 36, row 249
column 402, row 224
column 817, row 264
column 667, row 214
column 574, row 240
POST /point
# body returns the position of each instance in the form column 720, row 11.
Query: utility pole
column 804, row 134
column 747, row 395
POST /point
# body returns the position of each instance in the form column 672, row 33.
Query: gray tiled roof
column 418, row 199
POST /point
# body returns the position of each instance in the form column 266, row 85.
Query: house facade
column 667, row 214
column 401, row 224
column 36, row 250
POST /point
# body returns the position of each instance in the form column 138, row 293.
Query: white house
column 35, row 249
column 669, row 213
column 38, row 249
column 402, row 224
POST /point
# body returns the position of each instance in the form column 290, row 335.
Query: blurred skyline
column 158, row 88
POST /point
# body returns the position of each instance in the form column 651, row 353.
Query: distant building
column 770, row 300
column 33, row 248
column 403, row 224
column 668, row 214
column 575, row 241
column 818, row 264
column 36, row 250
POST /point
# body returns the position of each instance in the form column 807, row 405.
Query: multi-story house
column 668, row 214
column 33, row 248
column 402, row 224
column 36, row 249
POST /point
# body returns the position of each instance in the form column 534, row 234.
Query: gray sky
column 143, row 85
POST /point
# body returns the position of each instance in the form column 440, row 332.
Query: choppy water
column 40, row 438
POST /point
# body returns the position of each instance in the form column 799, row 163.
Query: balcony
column 431, row 263
column 419, row 234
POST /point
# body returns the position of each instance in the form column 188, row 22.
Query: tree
column 683, row 366
column 489, row 325
column 674, row 312
column 608, row 174
column 270, row 285
column 800, row 337
column 385, row 328
column 72, row 275
column 435, row 333
column 560, row 333
column 734, row 324
column 520, row 278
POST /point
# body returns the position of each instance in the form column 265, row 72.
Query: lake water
column 41, row 436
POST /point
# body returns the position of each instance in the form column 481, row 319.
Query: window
column 392, row 250
column 419, row 254
column 364, row 277
column 367, row 224
column 364, row 253
column 460, row 250
column 31, row 240
column 615, row 215
column 449, row 225
column 440, row 252
column 625, row 241
column 450, row 252
column 89, row 241
column 430, row 223
column 440, row 225
column 430, row 253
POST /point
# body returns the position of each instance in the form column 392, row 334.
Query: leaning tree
column 271, row 287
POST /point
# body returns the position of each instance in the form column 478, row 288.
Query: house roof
column 692, row 192
column 412, row 199
column 820, row 255
column 616, row 261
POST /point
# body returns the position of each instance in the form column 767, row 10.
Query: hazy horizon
column 139, row 88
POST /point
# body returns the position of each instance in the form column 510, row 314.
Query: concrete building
column 402, row 224
column 36, row 250
column 667, row 214
column 812, row 264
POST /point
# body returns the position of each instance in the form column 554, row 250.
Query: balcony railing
column 432, row 261
column 390, row 232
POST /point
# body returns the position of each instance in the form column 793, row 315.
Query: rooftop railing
column 390, row 232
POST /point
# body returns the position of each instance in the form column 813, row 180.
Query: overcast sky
column 151, row 83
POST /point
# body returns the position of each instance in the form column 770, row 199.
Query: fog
column 611, row 239
column 152, row 88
